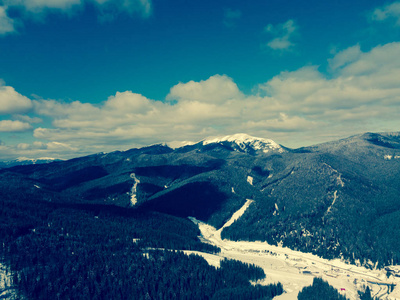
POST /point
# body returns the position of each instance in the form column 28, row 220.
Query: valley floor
column 295, row 269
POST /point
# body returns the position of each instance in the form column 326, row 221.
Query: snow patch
column 276, row 211
column 339, row 180
column 179, row 144
column 244, row 141
column 7, row 290
column 5, row 278
column 250, row 180
column 34, row 160
column 333, row 202
column 133, row 190
column 389, row 157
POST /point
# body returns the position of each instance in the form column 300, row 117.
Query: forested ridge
column 303, row 198
column 61, row 250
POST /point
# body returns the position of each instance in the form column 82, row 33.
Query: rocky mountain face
column 337, row 199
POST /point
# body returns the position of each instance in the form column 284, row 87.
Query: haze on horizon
column 85, row 76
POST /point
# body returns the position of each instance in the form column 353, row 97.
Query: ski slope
column 295, row 269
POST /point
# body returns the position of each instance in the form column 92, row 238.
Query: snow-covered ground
column 133, row 190
column 244, row 140
column 295, row 269
column 6, row 287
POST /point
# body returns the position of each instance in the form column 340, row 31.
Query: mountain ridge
column 303, row 198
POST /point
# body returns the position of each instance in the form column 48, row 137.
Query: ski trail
column 237, row 214
column 333, row 202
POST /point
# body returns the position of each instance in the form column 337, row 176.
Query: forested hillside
column 64, row 250
column 339, row 200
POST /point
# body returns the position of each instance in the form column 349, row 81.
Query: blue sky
column 84, row 76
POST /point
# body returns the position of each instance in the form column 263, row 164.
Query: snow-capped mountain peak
column 34, row 160
column 244, row 141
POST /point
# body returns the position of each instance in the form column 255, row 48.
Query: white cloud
column 36, row 9
column 365, row 85
column 28, row 119
column 39, row 150
column 390, row 11
column 215, row 89
column 39, row 5
column 13, row 102
column 128, row 101
column 231, row 16
column 283, row 123
column 14, row 126
column 6, row 23
column 283, row 33
column 379, row 60
column 109, row 9
column 345, row 57
column 295, row 108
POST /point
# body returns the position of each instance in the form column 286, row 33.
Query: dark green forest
column 319, row 290
column 58, row 249
column 364, row 240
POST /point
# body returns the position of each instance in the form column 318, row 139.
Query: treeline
column 363, row 243
column 366, row 294
column 60, row 250
column 320, row 289
column 134, row 275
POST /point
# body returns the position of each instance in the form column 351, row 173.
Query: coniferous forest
column 320, row 289
column 64, row 250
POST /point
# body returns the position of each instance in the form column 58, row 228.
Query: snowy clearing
column 295, row 269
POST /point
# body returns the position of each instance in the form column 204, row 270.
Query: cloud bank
column 297, row 108
column 390, row 11
column 6, row 23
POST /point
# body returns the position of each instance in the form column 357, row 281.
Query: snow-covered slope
column 295, row 269
column 245, row 142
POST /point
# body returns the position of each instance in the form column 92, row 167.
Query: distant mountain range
column 336, row 199
column 26, row 161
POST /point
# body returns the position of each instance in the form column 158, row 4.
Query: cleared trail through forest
column 294, row 269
